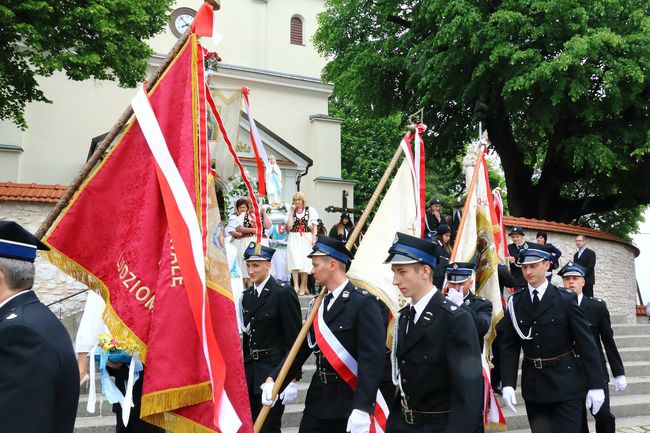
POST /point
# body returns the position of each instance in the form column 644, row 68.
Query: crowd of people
column 431, row 379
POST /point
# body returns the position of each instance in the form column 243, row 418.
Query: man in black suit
column 39, row 378
column 573, row 276
column 586, row 258
column 517, row 235
column 560, row 364
column 354, row 320
column 271, row 321
column 436, row 355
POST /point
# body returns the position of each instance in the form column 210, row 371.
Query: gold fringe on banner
column 116, row 326
column 175, row 398
column 177, row 423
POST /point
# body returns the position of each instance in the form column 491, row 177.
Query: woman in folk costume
column 302, row 225
column 242, row 226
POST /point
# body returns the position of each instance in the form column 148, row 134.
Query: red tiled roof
column 31, row 192
column 543, row 225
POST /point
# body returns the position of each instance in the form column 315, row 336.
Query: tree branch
column 399, row 21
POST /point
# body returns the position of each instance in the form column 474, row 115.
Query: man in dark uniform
column 434, row 217
column 560, row 363
column 586, row 257
column 354, row 319
column 573, row 276
column 436, row 354
column 443, row 253
column 460, row 281
column 517, row 235
column 39, row 378
column 271, row 319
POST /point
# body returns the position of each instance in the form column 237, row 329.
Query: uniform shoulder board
column 450, row 307
column 482, row 298
column 599, row 300
column 362, row 291
column 565, row 290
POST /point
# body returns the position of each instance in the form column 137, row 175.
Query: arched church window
column 296, row 30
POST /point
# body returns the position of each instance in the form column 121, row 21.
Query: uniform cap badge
column 11, row 316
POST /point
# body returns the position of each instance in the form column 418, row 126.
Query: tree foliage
column 100, row 39
column 567, row 84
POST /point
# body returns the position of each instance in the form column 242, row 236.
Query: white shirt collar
column 540, row 290
column 336, row 292
column 6, row 301
column 422, row 303
column 259, row 288
column 580, row 298
column 582, row 250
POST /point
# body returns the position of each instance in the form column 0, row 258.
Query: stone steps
column 635, row 424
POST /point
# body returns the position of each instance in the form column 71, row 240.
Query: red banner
column 115, row 237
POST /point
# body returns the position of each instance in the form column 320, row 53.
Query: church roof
column 31, row 192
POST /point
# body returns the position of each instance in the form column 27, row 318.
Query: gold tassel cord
column 175, row 398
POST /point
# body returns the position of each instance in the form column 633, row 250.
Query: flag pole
column 282, row 375
column 98, row 154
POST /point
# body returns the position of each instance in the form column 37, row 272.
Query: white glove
column 508, row 394
column 620, row 383
column 289, row 394
column 455, row 296
column 595, row 399
column 267, row 392
column 358, row 422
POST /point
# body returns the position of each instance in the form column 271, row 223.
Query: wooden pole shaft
column 259, row 422
column 98, row 155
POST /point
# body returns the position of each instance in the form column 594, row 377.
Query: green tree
column 567, row 84
column 100, row 39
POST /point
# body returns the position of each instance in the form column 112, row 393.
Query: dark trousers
column 555, row 417
column 605, row 419
column 135, row 425
column 273, row 422
column 312, row 424
column 588, row 290
column 397, row 424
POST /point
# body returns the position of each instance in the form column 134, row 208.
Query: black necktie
column 327, row 300
column 536, row 300
column 411, row 322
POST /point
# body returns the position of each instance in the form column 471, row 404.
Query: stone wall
column 51, row 284
column 615, row 271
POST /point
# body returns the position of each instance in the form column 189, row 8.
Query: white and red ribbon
column 346, row 367
column 242, row 172
column 188, row 245
column 417, row 167
column 492, row 413
column 258, row 148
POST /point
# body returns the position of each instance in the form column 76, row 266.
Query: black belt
column 420, row 417
column 328, row 376
column 540, row 363
column 265, row 353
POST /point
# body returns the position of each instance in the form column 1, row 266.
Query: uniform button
column 535, row 322
column 537, row 346
column 521, row 321
column 403, row 362
column 340, row 326
column 552, row 320
column 536, row 333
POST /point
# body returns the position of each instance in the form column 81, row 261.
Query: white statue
column 273, row 181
